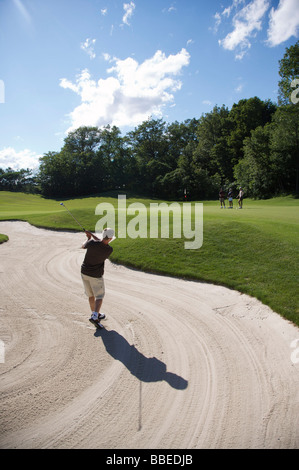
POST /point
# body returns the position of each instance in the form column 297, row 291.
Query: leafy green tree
column 17, row 180
column 114, row 160
column 80, row 168
column 247, row 115
column 149, row 147
column 181, row 141
column 285, row 146
column 212, row 152
column 55, row 175
column 78, row 153
column 271, row 156
column 255, row 172
column 178, row 136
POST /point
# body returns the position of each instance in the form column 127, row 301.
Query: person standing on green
column 230, row 198
column 221, row 198
column 240, row 198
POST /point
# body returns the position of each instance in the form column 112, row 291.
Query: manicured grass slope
column 254, row 250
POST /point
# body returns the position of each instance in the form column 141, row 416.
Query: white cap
column 108, row 233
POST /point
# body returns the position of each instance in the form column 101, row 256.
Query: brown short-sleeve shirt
column 97, row 253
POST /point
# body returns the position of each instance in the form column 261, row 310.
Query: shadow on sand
column 146, row 369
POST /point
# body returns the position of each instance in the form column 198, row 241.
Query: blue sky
column 66, row 63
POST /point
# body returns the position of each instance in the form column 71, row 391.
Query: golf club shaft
column 72, row 216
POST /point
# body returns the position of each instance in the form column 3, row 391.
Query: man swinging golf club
column 92, row 271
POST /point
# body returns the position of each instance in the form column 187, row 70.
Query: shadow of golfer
column 146, row 369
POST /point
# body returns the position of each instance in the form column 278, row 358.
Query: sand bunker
column 179, row 365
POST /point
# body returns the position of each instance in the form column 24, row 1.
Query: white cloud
column 131, row 93
column 129, row 9
column 246, row 23
column 88, row 47
column 169, row 9
column 239, row 88
column 104, row 11
column 225, row 13
column 22, row 9
column 107, row 57
column 207, row 102
column 284, row 22
column 64, row 83
column 16, row 160
column 217, row 19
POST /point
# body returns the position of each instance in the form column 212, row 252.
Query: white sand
column 180, row 364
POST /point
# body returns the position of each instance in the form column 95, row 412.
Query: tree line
column 255, row 145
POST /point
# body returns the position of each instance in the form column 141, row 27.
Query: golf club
column 72, row 216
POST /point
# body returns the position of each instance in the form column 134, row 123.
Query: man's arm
column 89, row 236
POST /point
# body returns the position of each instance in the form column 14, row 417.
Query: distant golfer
column 240, row 198
column 230, row 198
column 92, row 271
column 222, row 198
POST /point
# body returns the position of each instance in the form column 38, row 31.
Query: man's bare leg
column 95, row 304
column 98, row 305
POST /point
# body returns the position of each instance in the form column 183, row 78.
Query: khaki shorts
column 94, row 286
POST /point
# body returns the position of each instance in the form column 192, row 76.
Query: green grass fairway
column 254, row 250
